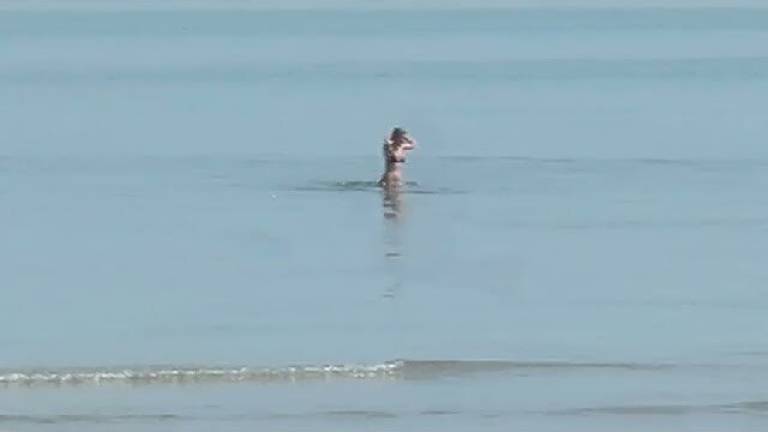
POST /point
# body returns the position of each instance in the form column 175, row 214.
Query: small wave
column 364, row 414
column 409, row 187
column 654, row 410
column 748, row 407
column 436, row 412
column 180, row 374
column 432, row 368
column 367, row 414
column 346, row 186
column 396, row 369
column 505, row 70
column 86, row 418
column 678, row 223
column 707, row 164
column 340, row 186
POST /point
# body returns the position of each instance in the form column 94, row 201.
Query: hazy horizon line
column 223, row 5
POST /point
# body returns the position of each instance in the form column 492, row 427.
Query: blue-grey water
column 191, row 237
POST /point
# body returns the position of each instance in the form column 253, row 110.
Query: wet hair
column 398, row 132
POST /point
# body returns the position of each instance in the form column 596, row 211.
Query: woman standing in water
column 395, row 149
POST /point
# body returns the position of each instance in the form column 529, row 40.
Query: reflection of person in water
column 394, row 150
column 392, row 203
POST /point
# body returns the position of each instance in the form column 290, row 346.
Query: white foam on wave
column 395, row 369
column 173, row 374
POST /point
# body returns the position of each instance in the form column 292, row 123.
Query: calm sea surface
column 191, row 237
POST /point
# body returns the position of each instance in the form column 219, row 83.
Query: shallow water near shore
column 193, row 237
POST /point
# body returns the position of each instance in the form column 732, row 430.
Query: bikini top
column 391, row 158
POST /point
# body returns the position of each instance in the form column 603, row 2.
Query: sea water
column 191, row 235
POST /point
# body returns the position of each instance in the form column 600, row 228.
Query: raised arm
column 409, row 144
